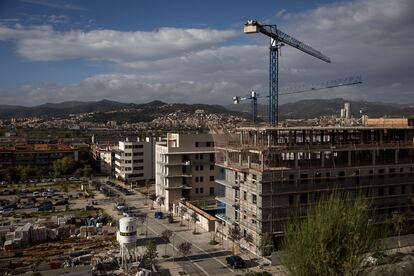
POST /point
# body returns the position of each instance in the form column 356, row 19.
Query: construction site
column 272, row 172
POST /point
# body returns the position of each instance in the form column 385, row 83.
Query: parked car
column 6, row 211
column 235, row 261
column 37, row 194
column 158, row 215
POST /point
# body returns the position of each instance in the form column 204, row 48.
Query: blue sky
column 195, row 51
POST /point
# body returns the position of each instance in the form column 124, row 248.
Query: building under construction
column 267, row 174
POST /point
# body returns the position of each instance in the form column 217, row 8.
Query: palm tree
column 235, row 235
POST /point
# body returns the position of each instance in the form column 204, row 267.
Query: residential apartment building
column 134, row 160
column 104, row 158
column 35, row 154
column 269, row 174
column 185, row 168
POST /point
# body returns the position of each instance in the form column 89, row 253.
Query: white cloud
column 373, row 38
column 42, row 43
column 57, row 4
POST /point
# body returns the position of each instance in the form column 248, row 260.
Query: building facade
column 269, row 174
column 35, row 154
column 134, row 160
column 185, row 169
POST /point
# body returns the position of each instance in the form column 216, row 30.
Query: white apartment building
column 185, row 168
column 134, row 160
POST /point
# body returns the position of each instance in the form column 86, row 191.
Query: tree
column 398, row 222
column 183, row 210
column 332, row 239
column 142, row 218
column 195, row 219
column 235, row 235
column 152, row 197
column 185, row 248
column 166, row 234
column 266, row 244
column 150, row 252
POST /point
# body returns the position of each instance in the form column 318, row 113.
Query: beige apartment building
column 184, row 169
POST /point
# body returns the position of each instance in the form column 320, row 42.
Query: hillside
column 106, row 110
column 317, row 108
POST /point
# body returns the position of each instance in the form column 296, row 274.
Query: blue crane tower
column 254, row 96
column 277, row 40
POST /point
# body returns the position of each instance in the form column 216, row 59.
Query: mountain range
column 112, row 110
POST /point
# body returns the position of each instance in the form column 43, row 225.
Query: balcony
column 234, row 185
column 174, row 175
column 228, row 201
column 184, row 163
column 226, row 219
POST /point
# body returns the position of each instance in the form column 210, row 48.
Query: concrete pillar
column 396, row 156
column 373, row 158
column 249, row 162
column 240, row 159
column 323, row 159
column 349, row 158
column 296, row 160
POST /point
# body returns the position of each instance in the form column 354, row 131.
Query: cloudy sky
column 195, row 51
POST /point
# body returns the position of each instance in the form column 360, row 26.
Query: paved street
column 204, row 259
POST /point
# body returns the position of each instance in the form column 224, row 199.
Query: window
column 254, row 176
column 196, row 156
column 212, row 157
column 201, row 178
column 253, row 221
column 138, row 153
column 254, row 198
column 211, row 191
column 201, row 190
column 196, row 179
column 208, row 144
column 211, row 177
column 304, row 198
column 197, row 144
column 201, row 167
column 244, row 195
column 196, row 168
column 391, row 190
column 403, row 189
column 211, row 167
column 380, row 191
column 196, row 190
column 291, row 199
column 201, row 156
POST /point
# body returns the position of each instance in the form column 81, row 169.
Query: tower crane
column 277, row 40
column 254, row 96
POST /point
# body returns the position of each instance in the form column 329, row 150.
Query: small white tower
column 127, row 238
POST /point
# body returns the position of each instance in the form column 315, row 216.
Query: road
column 204, row 259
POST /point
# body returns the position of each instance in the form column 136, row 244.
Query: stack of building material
column 63, row 232
column 8, row 245
column 91, row 231
column 83, row 232
column 22, row 234
column 39, row 234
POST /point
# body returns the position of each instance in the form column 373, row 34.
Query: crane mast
column 277, row 40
